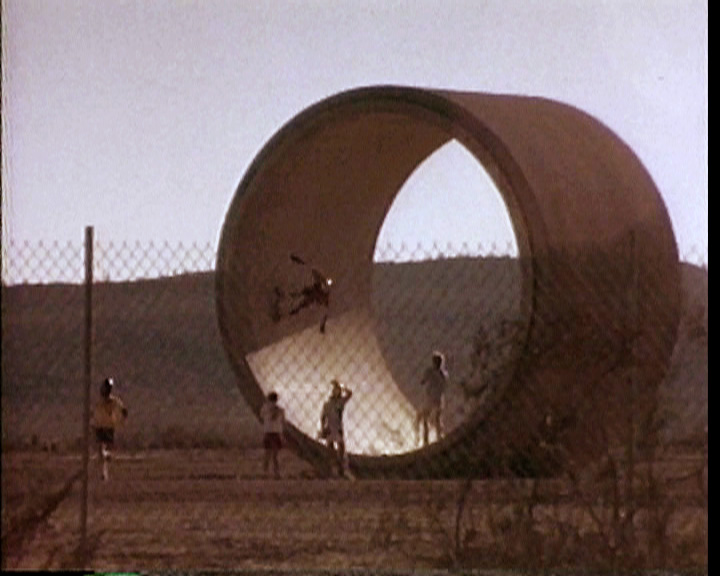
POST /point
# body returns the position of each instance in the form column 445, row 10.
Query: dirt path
column 215, row 511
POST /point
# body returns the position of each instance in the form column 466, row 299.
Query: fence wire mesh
column 511, row 472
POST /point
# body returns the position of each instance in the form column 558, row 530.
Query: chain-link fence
column 500, row 463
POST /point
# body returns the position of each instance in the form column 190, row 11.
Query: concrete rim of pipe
column 324, row 182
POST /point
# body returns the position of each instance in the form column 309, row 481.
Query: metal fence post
column 88, row 383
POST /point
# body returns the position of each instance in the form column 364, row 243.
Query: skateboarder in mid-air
column 317, row 293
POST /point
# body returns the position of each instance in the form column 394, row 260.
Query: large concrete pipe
column 597, row 285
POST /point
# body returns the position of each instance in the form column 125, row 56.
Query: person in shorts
column 273, row 421
column 434, row 383
column 110, row 413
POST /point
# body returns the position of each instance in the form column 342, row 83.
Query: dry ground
column 213, row 510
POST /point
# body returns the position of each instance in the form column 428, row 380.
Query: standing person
column 331, row 422
column 434, row 381
column 273, row 420
column 109, row 413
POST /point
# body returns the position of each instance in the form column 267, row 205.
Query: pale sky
column 140, row 117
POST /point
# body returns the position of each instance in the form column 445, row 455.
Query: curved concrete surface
column 598, row 302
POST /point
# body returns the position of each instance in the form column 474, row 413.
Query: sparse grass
column 170, row 438
column 566, row 524
column 21, row 523
column 216, row 510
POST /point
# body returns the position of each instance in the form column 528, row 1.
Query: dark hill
column 160, row 339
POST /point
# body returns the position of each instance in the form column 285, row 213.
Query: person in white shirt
column 434, row 382
column 273, row 421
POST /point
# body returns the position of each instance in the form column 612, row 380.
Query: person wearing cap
column 331, row 422
column 109, row 413
column 434, row 382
